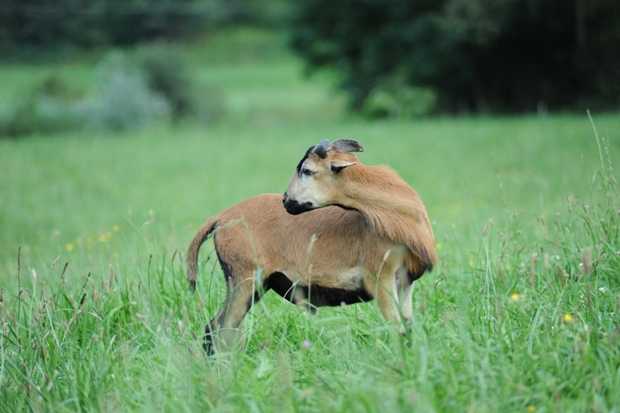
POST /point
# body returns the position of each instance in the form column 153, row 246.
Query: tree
column 51, row 23
column 484, row 55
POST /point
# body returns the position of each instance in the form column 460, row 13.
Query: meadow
column 521, row 314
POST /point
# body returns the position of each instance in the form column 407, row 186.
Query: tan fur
column 393, row 209
column 394, row 213
column 342, row 251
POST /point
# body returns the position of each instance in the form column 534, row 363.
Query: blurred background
column 120, row 65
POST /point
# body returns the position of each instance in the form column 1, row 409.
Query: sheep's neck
column 393, row 209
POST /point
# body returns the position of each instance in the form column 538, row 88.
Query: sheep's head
column 315, row 183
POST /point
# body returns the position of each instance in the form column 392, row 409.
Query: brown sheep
column 373, row 242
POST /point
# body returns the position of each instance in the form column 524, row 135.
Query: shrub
column 124, row 100
column 49, row 107
column 399, row 101
column 166, row 72
column 131, row 94
column 166, row 69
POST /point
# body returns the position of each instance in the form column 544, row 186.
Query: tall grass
column 525, row 318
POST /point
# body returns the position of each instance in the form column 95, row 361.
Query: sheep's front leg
column 404, row 285
column 387, row 298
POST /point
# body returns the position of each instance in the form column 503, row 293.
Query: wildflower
column 471, row 263
column 115, row 228
column 507, row 267
column 568, row 318
column 115, row 255
column 602, row 290
column 108, row 234
column 69, row 247
column 439, row 246
column 531, row 409
column 102, row 238
column 515, row 297
column 306, row 344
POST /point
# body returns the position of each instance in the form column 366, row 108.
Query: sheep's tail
column 194, row 249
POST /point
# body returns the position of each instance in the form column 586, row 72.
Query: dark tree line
column 481, row 55
column 82, row 23
column 474, row 55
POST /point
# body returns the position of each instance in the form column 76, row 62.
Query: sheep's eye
column 307, row 172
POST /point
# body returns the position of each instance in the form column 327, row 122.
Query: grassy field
column 522, row 313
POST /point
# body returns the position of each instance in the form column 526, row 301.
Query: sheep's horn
column 321, row 148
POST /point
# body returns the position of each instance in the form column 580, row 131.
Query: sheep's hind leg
column 223, row 332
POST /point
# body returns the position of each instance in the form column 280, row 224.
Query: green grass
column 96, row 316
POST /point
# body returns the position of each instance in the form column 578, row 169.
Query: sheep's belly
column 346, row 288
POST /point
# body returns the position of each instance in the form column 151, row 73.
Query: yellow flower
column 115, row 228
column 515, row 297
column 531, row 409
column 108, row 234
column 507, row 266
column 78, row 240
column 115, row 255
column 568, row 318
column 439, row 246
column 102, row 238
column 471, row 263
column 69, row 247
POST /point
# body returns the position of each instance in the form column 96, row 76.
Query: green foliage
column 53, row 23
column 50, row 107
column 124, row 100
column 131, row 92
column 168, row 73
column 399, row 101
column 165, row 67
column 481, row 55
column 35, row 30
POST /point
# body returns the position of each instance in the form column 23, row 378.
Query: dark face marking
column 303, row 159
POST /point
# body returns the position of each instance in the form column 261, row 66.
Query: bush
column 399, row 101
column 124, row 100
column 49, row 107
column 166, row 72
column 131, row 94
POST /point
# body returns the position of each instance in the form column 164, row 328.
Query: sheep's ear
column 321, row 148
column 347, row 145
column 338, row 166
